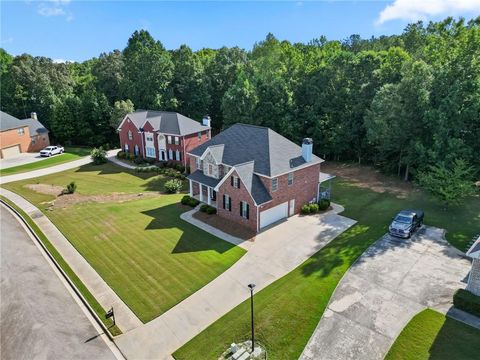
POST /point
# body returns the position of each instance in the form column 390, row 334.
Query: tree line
column 403, row 102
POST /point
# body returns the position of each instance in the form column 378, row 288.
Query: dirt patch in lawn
column 227, row 226
column 369, row 178
column 71, row 199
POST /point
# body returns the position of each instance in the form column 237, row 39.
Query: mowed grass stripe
column 149, row 256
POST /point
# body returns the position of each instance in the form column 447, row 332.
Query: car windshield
column 403, row 219
column 48, row 148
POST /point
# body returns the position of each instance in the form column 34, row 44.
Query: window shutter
column 229, row 204
column 238, row 183
column 224, row 201
column 241, row 208
column 248, row 210
column 179, row 156
column 231, row 180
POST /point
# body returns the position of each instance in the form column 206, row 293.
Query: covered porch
column 325, row 186
column 202, row 187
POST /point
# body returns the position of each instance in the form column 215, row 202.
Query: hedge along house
column 254, row 176
column 162, row 135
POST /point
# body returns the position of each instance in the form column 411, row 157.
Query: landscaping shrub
column 70, row 189
column 139, row 160
column 210, row 210
column 466, row 301
column 190, row 201
column 121, row 155
column 313, row 208
column 130, row 157
column 149, row 161
column 98, row 156
column 173, row 186
column 323, row 204
column 305, row 209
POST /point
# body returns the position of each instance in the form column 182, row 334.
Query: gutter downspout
column 184, row 153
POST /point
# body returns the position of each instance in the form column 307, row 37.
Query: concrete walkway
column 113, row 158
column 124, row 317
column 275, row 252
column 51, row 169
column 390, row 283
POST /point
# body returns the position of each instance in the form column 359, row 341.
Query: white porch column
column 201, row 191
column 191, row 187
column 209, row 200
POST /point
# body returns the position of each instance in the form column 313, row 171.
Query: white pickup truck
column 52, row 150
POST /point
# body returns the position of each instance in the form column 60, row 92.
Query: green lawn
column 288, row 310
column 431, row 335
column 70, row 154
column 142, row 249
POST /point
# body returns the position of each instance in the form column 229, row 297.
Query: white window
column 236, row 182
column 244, row 209
column 275, row 184
column 290, row 178
column 170, row 154
column 210, row 169
column 33, row 141
column 169, row 139
column 130, row 135
column 126, row 147
column 177, row 140
column 199, row 134
column 177, row 155
column 198, row 163
column 227, row 202
column 20, row 131
column 137, row 152
column 150, row 152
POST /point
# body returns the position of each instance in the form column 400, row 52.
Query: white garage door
column 10, row 152
column 276, row 213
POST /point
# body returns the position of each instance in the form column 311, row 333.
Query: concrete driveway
column 40, row 319
column 275, row 252
column 390, row 283
column 21, row 159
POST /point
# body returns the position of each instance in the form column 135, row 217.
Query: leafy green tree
column 448, row 184
column 239, row 102
column 120, row 109
column 108, row 71
column 148, row 72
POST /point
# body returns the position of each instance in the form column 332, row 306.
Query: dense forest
column 403, row 102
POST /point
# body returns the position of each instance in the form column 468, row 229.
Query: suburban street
column 40, row 319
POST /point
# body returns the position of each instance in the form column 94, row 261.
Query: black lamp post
column 251, row 286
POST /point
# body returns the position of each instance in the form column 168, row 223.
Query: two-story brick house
column 254, row 176
column 19, row 136
column 162, row 135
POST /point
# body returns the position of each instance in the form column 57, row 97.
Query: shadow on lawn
column 109, row 169
column 192, row 239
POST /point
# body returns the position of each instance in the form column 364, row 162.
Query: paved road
column 275, row 252
column 52, row 169
column 390, row 283
column 40, row 319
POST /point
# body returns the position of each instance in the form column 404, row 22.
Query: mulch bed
column 227, row 226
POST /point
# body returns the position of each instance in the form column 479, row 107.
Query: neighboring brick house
column 19, row 136
column 254, row 176
column 162, row 135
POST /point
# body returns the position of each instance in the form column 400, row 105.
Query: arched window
column 136, row 150
column 177, row 155
column 170, row 154
column 130, row 135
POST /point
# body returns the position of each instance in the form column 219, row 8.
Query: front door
column 292, row 207
column 214, row 195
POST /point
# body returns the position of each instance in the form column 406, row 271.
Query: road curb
column 65, row 276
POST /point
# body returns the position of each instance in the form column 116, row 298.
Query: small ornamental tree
column 98, row 156
column 449, row 185
column 173, row 186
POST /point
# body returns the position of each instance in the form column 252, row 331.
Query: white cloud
column 55, row 8
column 413, row 10
column 62, row 61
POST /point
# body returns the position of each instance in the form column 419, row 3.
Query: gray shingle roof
column 198, row 176
column 167, row 122
column 272, row 153
column 253, row 183
column 8, row 122
column 474, row 251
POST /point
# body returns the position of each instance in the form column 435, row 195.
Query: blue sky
column 79, row 30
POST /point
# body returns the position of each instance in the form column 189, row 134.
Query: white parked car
column 52, row 150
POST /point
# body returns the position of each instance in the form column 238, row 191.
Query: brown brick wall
column 136, row 140
column 41, row 141
column 303, row 190
column 237, row 195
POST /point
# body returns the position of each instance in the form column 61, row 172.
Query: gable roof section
column 165, row 122
column 272, row 153
column 216, row 151
column 9, row 122
column 474, row 251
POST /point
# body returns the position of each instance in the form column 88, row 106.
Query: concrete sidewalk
column 125, row 318
column 275, row 252
column 51, row 169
